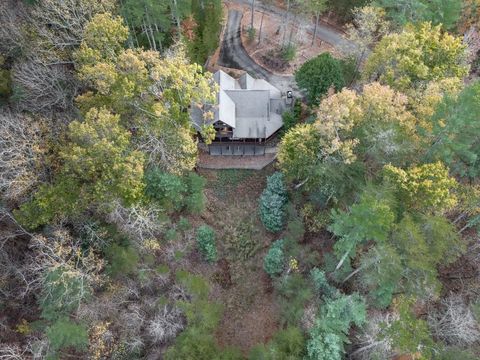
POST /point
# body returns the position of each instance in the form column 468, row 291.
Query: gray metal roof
column 226, row 109
column 252, row 107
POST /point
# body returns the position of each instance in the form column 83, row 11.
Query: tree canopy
column 318, row 75
column 415, row 56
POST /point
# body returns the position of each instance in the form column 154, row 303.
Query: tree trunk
column 160, row 47
column 177, row 17
column 315, row 30
column 253, row 13
column 344, row 257
column 154, row 44
column 291, row 30
column 260, row 31
column 352, row 274
column 153, row 38
column 145, row 30
column 285, row 23
column 132, row 31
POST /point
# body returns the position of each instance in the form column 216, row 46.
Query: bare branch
column 454, row 322
column 41, row 87
column 140, row 223
column 20, row 154
column 166, row 324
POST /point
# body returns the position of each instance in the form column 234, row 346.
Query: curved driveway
column 234, row 55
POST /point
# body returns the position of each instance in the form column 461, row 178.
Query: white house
column 247, row 109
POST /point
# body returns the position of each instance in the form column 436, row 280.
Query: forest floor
column 252, row 312
column 265, row 48
column 251, row 315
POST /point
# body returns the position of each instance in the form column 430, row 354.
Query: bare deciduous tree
column 369, row 342
column 60, row 24
column 12, row 352
column 454, row 322
column 13, row 272
column 472, row 40
column 77, row 273
column 166, row 324
column 12, row 36
column 140, row 223
column 35, row 349
column 20, row 153
column 368, row 27
column 132, row 320
column 172, row 149
column 41, row 86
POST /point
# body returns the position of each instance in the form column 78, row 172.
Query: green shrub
column 453, row 353
column 195, row 200
column 183, row 224
column 317, row 75
column 171, row 234
column 251, row 34
column 64, row 334
column 194, row 343
column 297, row 109
column 289, row 52
column 206, row 243
column 174, row 192
column 295, row 225
column 286, row 344
column 166, row 189
column 59, row 199
column 121, row 260
column 260, row 352
column 196, row 285
column 289, row 121
column 331, row 329
column 295, row 293
column 274, row 262
column 292, row 117
column 272, row 203
column 203, row 316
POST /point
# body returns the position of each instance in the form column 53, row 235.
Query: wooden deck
column 253, row 162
